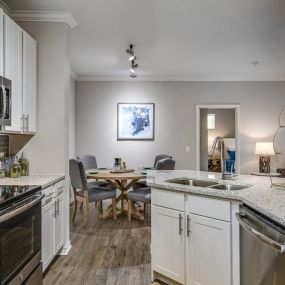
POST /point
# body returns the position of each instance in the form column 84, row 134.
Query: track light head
column 134, row 65
column 132, row 57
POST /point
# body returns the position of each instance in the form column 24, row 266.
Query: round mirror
column 279, row 141
column 282, row 118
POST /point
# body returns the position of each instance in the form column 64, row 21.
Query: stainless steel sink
column 193, row 182
column 229, row 187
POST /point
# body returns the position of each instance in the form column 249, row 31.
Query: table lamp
column 264, row 150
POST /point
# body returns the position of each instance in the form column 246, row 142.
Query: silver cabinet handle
column 57, row 207
column 54, row 207
column 274, row 244
column 27, row 123
column 22, row 122
column 188, row 225
column 180, row 224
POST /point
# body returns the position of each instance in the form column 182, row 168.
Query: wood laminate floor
column 104, row 253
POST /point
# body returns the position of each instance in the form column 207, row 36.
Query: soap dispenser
column 24, row 165
column 15, row 169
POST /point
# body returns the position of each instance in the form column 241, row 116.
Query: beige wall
column 96, row 118
column 48, row 150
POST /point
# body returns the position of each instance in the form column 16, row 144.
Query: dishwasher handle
column 272, row 243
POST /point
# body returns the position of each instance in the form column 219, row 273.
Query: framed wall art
column 135, row 121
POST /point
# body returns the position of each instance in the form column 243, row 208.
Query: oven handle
column 22, row 209
column 272, row 243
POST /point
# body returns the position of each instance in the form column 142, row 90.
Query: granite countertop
column 259, row 195
column 38, row 180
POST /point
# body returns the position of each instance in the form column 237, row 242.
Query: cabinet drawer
column 48, row 192
column 209, row 207
column 167, row 199
column 59, row 187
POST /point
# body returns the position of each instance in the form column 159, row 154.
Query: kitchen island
column 195, row 232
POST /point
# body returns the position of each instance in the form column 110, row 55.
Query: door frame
column 237, row 130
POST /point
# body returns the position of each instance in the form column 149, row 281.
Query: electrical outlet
column 187, row 148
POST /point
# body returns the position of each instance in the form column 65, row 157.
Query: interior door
column 13, row 38
column 208, row 252
column 168, row 243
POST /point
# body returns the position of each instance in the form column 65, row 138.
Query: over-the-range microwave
column 5, row 101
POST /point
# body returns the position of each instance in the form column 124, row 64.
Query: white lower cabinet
column 52, row 222
column 58, row 223
column 191, row 247
column 168, row 243
column 47, row 233
column 208, row 251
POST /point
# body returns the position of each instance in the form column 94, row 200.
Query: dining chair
column 89, row 162
column 143, row 194
column 142, row 183
column 85, row 194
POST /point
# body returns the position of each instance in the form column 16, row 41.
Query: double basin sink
column 207, row 184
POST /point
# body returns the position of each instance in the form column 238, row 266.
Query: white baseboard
column 66, row 248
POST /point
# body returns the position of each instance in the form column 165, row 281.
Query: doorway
column 217, row 121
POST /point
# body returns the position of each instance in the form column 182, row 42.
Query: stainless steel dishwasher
column 262, row 249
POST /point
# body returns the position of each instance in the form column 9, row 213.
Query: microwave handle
column 22, row 209
column 4, row 102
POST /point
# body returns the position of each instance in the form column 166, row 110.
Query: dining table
column 121, row 181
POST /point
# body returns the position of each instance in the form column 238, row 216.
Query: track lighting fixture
column 132, row 59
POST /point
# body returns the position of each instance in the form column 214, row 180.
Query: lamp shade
column 264, row 148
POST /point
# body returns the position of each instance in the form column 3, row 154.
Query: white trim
column 73, row 75
column 182, row 78
column 44, row 16
column 237, row 130
column 66, row 248
column 5, row 7
column 40, row 16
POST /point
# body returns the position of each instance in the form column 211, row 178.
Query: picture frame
column 135, row 121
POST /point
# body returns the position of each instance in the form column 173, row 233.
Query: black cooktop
column 10, row 194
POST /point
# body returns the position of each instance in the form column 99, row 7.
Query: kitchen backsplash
column 4, row 144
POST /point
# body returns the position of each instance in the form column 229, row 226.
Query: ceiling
column 174, row 40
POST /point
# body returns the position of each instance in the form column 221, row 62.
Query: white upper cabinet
column 1, row 42
column 13, row 63
column 29, row 83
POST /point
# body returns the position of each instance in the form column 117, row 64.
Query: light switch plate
column 187, row 148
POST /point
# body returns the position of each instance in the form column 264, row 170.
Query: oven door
column 20, row 238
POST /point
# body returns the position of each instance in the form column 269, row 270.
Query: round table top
column 107, row 175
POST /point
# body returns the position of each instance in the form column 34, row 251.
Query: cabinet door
column 48, row 212
column 1, row 43
column 208, row 252
column 29, row 83
column 168, row 243
column 58, row 224
column 13, row 37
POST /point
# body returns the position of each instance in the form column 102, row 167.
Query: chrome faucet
column 212, row 151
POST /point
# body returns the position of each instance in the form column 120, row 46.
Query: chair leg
column 86, row 211
column 74, row 209
column 114, row 208
column 130, row 205
column 144, row 209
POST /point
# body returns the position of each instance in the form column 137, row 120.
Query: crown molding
column 40, row 16
column 177, row 79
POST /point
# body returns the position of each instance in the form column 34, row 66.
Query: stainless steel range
column 20, row 235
